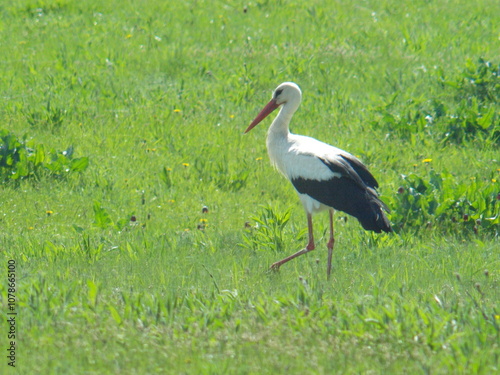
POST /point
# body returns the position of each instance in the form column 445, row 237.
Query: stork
column 325, row 177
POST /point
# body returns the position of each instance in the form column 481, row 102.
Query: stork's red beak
column 271, row 106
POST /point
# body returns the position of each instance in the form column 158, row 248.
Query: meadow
column 142, row 221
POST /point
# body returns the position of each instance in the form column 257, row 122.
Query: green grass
column 155, row 95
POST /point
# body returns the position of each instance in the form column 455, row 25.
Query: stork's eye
column 277, row 93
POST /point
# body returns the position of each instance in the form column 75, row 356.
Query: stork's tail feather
column 374, row 218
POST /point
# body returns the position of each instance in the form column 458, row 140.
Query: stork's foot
column 275, row 266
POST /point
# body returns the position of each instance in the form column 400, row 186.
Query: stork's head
column 287, row 92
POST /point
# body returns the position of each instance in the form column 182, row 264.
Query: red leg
column 310, row 246
column 330, row 244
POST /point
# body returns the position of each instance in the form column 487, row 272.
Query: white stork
column 324, row 176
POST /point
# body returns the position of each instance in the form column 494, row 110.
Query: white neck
column 280, row 125
column 278, row 136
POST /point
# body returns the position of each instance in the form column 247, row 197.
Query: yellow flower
column 185, row 164
column 259, row 158
column 493, row 180
column 177, row 110
column 231, row 116
column 169, row 169
column 171, row 201
column 129, row 36
column 203, row 221
column 426, row 160
column 30, row 228
column 49, row 212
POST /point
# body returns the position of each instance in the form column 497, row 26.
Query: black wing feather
column 349, row 165
column 353, row 193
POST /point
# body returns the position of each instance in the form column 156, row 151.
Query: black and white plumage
column 325, row 177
